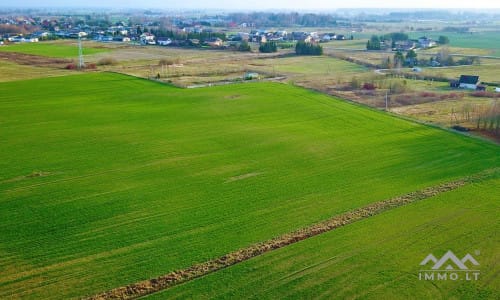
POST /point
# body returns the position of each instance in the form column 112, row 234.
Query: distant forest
column 287, row 19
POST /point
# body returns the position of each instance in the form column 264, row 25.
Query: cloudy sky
column 257, row 4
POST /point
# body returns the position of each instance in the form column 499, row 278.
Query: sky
column 255, row 5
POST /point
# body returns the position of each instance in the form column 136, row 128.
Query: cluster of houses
column 262, row 36
column 22, row 39
column 422, row 43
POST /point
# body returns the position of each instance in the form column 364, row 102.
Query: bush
column 169, row 61
column 369, row 86
column 107, row 61
column 355, row 84
column 398, row 87
column 485, row 94
column 268, row 47
column 244, row 47
column 71, row 67
column 427, row 94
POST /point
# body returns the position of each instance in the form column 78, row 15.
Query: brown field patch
column 34, row 60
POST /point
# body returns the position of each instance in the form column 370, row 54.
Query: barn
column 468, row 82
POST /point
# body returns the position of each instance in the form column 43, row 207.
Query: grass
column 478, row 40
column 205, row 66
column 51, row 49
column 448, row 112
column 314, row 65
column 11, row 72
column 106, row 179
column 375, row 258
column 486, row 73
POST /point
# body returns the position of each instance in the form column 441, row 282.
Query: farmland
column 475, row 40
column 165, row 172
column 11, row 71
column 115, row 179
column 372, row 259
column 50, row 49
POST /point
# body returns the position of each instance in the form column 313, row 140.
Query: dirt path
column 139, row 289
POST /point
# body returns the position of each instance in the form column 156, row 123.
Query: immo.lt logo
column 449, row 267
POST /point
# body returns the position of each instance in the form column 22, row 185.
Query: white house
column 164, row 41
column 148, row 39
column 21, row 39
column 497, row 89
column 426, row 42
column 326, row 38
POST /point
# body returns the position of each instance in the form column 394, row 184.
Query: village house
column 163, row 41
column 425, row 42
column 405, row 45
column 147, row 39
column 215, row 42
column 470, row 82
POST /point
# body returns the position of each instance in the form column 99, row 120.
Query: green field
column 51, row 49
column 477, row 40
column 107, row 179
column 377, row 258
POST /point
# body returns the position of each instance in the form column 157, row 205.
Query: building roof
column 469, row 79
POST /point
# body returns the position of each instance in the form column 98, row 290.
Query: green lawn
column 377, row 258
column 51, row 49
column 106, row 179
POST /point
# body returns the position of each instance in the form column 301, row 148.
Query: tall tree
column 411, row 58
column 373, row 43
column 443, row 40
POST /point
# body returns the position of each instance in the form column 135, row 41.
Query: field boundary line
column 146, row 287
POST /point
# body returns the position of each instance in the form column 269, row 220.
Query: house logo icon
column 449, row 261
column 449, row 267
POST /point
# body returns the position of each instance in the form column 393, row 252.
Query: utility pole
column 386, row 101
column 81, row 64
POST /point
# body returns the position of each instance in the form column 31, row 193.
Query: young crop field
column 478, row 40
column 51, row 49
column 107, row 180
column 377, row 258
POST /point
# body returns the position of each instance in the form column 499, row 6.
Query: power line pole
column 386, row 101
column 81, row 64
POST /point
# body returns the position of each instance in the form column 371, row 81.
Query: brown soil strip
column 139, row 289
column 34, row 60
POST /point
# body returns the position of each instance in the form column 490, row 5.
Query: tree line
column 303, row 48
